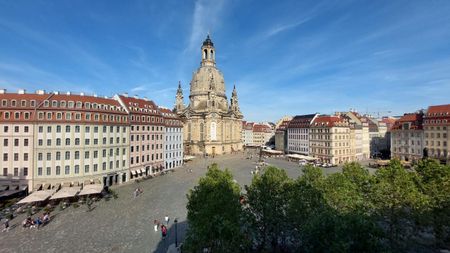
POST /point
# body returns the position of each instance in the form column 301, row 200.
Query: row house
column 247, row 133
column 173, row 143
column 146, row 135
column 360, row 133
column 330, row 140
column 50, row 139
column 262, row 133
column 407, row 137
column 79, row 138
column 17, row 117
column 298, row 134
column 436, row 126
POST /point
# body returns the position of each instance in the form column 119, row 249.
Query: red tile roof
column 261, row 128
column 328, row 121
column 415, row 120
column 301, row 121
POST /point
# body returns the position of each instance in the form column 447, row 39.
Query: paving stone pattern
column 126, row 224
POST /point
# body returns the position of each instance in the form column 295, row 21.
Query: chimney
column 82, row 94
column 136, row 97
column 21, row 91
column 68, row 93
column 125, row 94
column 56, row 92
column 95, row 95
column 40, row 92
column 2, row 91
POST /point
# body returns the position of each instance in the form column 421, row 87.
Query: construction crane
column 378, row 113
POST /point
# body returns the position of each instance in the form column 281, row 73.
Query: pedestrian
column 155, row 223
column 163, row 231
column 6, row 223
column 167, row 219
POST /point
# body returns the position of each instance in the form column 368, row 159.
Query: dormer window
column 4, row 102
column 23, row 103
column 79, row 105
column 71, row 104
column 87, row 105
column 13, row 103
column 54, row 103
column 62, row 104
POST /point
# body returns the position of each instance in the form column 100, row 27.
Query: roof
column 137, row 105
column 262, row 128
column 301, row 121
column 389, row 122
column 438, row 110
column 415, row 121
column 329, row 121
column 283, row 125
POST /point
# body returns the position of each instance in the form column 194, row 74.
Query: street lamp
column 176, row 232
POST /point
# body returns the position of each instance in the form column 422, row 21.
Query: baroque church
column 212, row 126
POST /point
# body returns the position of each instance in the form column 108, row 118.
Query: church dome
column 208, row 42
column 207, row 79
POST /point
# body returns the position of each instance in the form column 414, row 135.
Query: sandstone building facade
column 211, row 124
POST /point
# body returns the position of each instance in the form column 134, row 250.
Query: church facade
column 211, row 125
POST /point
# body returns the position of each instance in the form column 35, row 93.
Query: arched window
column 205, row 54
column 211, row 56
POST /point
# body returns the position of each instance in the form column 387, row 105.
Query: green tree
column 214, row 214
column 396, row 198
column 267, row 198
column 435, row 183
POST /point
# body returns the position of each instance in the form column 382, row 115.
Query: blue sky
column 285, row 57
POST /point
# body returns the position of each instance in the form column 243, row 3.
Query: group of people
column 158, row 224
column 137, row 192
column 37, row 222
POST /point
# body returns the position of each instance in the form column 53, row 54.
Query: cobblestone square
column 126, row 224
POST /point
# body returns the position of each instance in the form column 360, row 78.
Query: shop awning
column 37, row 196
column 134, row 173
column 8, row 193
column 46, row 187
column 66, row 192
column 37, row 187
column 91, row 189
column 302, row 157
column 4, row 187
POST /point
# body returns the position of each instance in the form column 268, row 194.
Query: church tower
column 211, row 125
column 179, row 103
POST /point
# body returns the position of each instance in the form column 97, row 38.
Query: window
column 104, row 166
column 67, row 141
column 86, row 168
column 77, row 155
column 49, row 129
column 77, row 129
column 58, row 141
column 95, row 154
column 86, row 154
column 67, row 129
column 39, row 171
column 58, row 129
column 48, row 171
column 67, row 156
column 5, row 129
column 25, row 171
column 41, row 129
column 16, row 142
column 87, row 142
column 5, row 172
column 77, row 169
column 67, row 170
column 58, row 156
column 49, row 156
column 58, row 170
column 87, row 129
column 40, row 142
column 25, row 156
column 49, row 142
column 16, row 172
column 26, row 129
column 16, row 129
column 16, row 156
column 77, row 141
column 95, row 167
column 39, row 156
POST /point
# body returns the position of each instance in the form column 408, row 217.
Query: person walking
column 155, row 223
column 163, row 232
column 167, row 220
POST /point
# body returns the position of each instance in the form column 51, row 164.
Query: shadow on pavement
column 164, row 244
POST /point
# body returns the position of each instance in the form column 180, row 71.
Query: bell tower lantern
column 208, row 53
